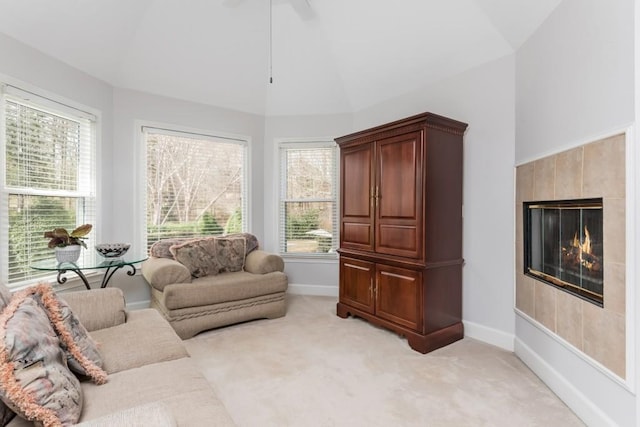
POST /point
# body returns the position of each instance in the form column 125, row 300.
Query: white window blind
column 308, row 200
column 196, row 184
column 48, row 180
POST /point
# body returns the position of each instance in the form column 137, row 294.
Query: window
column 48, row 178
column 308, row 202
column 196, row 184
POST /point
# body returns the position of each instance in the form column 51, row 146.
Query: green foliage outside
column 234, row 223
column 209, row 225
column 298, row 224
column 27, row 225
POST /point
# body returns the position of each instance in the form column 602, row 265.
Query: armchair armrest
column 160, row 272
column 97, row 308
column 262, row 262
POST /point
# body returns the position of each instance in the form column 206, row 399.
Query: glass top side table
column 110, row 265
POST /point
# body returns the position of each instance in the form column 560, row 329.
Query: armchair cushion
column 237, row 286
column 211, row 255
column 199, row 256
column 161, row 248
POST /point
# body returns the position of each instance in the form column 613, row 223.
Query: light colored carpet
column 312, row 368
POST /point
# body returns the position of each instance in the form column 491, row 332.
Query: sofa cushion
column 153, row 414
column 80, row 349
column 6, row 414
column 143, row 339
column 5, row 296
column 177, row 384
column 34, row 379
column 222, row 288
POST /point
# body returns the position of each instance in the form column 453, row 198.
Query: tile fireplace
column 571, row 269
column 563, row 245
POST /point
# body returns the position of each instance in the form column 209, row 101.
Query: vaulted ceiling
column 325, row 56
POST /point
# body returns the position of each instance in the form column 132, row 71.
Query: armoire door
column 399, row 296
column 356, row 222
column 398, row 195
column 357, row 283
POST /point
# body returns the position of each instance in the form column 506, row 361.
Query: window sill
column 328, row 258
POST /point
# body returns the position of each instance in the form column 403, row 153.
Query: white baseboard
column 138, row 305
column 319, row 290
column 489, row 335
column 591, row 414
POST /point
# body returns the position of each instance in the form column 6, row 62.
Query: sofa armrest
column 262, row 262
column 160, row 272
column 97, row 308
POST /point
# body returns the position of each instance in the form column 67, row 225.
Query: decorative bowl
column 112, row 250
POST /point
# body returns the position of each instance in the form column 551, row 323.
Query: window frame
column 187, row 132
column 87, row 179
column 282, row 144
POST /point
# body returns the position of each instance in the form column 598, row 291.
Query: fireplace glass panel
column 563, row 245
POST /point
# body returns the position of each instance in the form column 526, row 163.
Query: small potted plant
column 68, row 245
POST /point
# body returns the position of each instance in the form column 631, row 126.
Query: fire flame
column 586, row 245
column 584, row 248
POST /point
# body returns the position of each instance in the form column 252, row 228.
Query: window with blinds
column 308, row 199
column 196, row 184
column 48, row 180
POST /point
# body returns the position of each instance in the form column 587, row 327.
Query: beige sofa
column 152, row 380
column 192, row 305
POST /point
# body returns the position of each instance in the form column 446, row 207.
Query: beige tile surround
column 592, row 170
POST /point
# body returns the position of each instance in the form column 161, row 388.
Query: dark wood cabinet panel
column 357, row 203
column 356, row 283
column 398, row 195
column 401, row 228
column 398, row 295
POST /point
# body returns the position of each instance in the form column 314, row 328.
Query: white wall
column 484, row 98
column 574, row 77
column 305, row 276
column 575, row 83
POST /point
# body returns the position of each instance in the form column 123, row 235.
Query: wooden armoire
column 401, row 228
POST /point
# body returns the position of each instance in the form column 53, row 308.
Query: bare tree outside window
column 195, row 186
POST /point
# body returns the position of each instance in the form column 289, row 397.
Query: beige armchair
column 192, row 305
